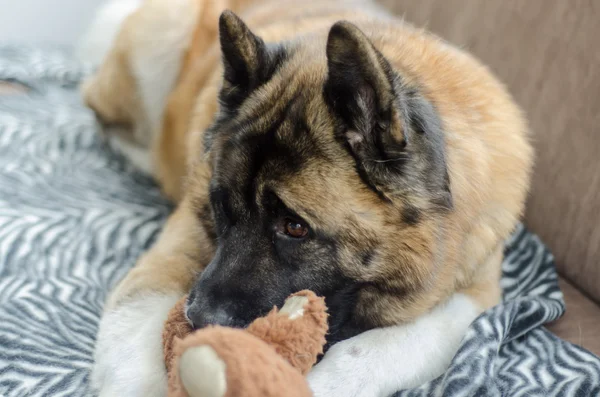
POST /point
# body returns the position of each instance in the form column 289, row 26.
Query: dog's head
column 328, row 173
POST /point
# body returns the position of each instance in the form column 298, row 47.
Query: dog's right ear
column 247, row 61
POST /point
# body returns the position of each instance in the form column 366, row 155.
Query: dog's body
column 365, row 160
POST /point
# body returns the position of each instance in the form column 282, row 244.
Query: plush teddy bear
column 267, row 359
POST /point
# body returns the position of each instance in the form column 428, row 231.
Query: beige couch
column 546, row 52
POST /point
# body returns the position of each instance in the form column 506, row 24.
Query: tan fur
column 111, row 92
column 114, row 92
column 488, row 157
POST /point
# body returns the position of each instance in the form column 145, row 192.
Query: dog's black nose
column 200, row 314
column 202, row 319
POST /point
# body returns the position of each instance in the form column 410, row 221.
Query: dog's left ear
column 394, row 134
column 360, row 89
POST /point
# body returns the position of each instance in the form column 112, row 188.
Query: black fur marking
column 411, row 215
column 426, row 123
column 341, row 303
column 207, row 221
column 366, row 257
column 226, row 215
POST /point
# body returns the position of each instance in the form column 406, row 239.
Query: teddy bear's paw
column 211, row 381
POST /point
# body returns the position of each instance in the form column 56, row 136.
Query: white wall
column 45, row 21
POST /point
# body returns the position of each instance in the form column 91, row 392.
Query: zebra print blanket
column 74, row 217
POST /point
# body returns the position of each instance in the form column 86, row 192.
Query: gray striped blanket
column 74, row 217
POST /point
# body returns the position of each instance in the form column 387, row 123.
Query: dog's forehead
column 281, row 129
column 266, row 158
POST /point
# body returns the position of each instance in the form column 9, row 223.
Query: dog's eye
column 293, row 228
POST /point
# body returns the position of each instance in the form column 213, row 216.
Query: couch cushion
column 581, row 322
column 543, row 50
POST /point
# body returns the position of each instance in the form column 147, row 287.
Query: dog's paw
column 128, row 358
column 345, row 371
column 382, row 361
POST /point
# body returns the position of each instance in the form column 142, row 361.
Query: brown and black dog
column 321, row 145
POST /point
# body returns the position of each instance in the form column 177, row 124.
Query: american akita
column 321, row 145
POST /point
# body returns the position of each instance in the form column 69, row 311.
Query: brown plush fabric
column 298, row 341
column 581, row 322
column 176, row 327
column 545, row 51
column 253, row 369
